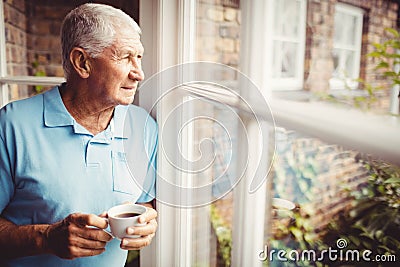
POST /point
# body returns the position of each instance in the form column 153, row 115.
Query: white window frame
column 3, row 61
column 349, row 82
column 170, row 40
column 290, row 83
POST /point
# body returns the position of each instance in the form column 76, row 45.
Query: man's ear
column 80, row 61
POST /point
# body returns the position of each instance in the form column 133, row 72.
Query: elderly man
column 72, row 153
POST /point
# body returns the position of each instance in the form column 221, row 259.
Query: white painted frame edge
column 358, row 13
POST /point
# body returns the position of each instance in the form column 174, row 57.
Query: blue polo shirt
column 50, row 167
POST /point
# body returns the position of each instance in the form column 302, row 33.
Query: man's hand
column 146, row 231
column 78, row 235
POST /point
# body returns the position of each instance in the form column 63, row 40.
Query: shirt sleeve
column 6, row 181
column 149, row 187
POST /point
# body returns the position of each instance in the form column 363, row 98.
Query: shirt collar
column 55, row 113
column 120, row 113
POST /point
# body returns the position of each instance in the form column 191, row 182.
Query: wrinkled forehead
column 128, row 38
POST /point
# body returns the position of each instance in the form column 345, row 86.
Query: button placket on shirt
column 96, row 148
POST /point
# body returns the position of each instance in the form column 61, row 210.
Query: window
column 199, row 234
column 313, row 133
column 346, row 46
column 287, row 27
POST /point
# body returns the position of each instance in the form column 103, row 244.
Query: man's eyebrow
column 128, row 50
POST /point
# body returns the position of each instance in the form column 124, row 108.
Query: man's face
column 116, row 72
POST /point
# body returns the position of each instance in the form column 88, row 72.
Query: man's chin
column 126, row 101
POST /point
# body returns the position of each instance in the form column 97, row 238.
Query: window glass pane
column 349, row 64
column 16, row 91
column 346, row 47
column 286, row 24
column 217, row 40
column 20, row 91
column 287, row 43
column 218, row 30
column 214, row 157
column 284, row 59
column 344, row 61
column 345, row 27
column 342, row 199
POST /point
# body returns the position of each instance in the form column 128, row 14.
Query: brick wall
column 45, row 18
column 218, row 28
column 319, row 44
column 43, row 44
column 378, row 15
column 16, row 39
column 314, row 175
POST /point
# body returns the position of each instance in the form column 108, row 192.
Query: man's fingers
column 149, row 215
column 87, row 244
column 68, row 239
column 88, row 226
column 88, row 220
column 136, row 243
column 103, row 215
column 149, row 228
column 94, row 234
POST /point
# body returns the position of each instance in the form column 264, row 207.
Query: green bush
column 374, row 221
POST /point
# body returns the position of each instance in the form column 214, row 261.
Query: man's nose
column 136, row 72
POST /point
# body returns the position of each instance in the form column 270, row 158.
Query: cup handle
column 107, row 231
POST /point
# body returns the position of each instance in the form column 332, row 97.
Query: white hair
column 93, row 28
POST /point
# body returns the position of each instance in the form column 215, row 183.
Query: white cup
column 121, row 217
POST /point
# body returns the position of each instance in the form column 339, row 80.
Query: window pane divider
column 352, row 48
column 3, row 62
column 32, row 80
column 365, row 132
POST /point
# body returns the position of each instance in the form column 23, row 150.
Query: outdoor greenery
column 388, row 56
column 39, row 73
column 373, row 222
column 224, row 237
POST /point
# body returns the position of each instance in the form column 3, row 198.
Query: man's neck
column 93, row 116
